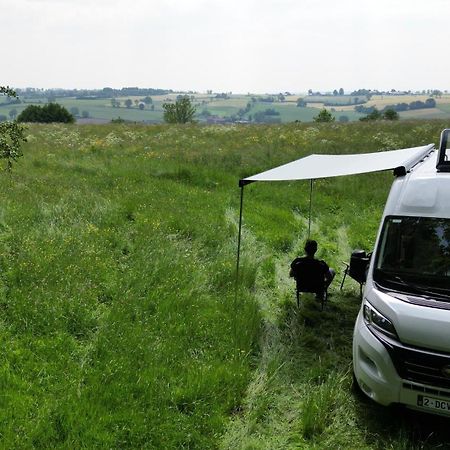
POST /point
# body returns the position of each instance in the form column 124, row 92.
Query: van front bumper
column 373, row 367
column 378, row 378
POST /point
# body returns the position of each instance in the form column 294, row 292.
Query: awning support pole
column 237, row 262
column 310, row 206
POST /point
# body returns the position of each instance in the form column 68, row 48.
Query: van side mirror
column 443, row 164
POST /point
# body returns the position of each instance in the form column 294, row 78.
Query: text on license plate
column 433, row 403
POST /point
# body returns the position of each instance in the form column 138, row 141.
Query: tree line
column 399, row 107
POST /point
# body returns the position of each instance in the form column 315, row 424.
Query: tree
column 324, row 116
column 147, row 100
column 85, row 114
column 390, row 114
column 13, row 113
column 12, row 135
column 141, row 105
column 335, row 92
column 301, row 103
column 9, row 92
column 374, row 115
column 74, row 111
column 128, row 102
column 341, row 91
column 182, row 111
column 49, row 113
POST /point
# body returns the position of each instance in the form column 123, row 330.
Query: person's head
column 310, row 247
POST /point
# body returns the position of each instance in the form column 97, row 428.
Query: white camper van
column 401, row 343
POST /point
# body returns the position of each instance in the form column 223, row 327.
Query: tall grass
column 117, row 263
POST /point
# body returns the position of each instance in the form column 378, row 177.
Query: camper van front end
column 401, row 341
column 389, row 364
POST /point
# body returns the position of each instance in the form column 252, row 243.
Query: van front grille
column 422, row 367
column 418, row 364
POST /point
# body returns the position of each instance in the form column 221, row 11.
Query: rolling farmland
column 212, row 109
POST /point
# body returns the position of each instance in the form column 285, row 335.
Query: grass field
column 119, row 323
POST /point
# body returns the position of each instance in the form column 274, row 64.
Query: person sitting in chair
column 311, row 274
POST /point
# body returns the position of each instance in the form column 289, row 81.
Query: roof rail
column 443, row 165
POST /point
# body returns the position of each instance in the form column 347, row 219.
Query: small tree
column 11, row 136
column 374, row 115
column 324, row 116
column 182, row 111
column 128, row 102
column 301, row 103
column 390, row 114
column 74, row 111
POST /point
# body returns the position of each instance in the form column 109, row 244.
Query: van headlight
column 378, row 321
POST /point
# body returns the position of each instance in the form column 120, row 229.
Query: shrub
column 50, row 113
column 324, row 116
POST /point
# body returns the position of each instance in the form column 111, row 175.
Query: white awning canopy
column 325, row 166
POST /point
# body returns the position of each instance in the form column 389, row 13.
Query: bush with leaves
column 182, row 111
column 374, row 115
column 11, row 136
column 390, row 114
column 49, row 113
column 324, row 116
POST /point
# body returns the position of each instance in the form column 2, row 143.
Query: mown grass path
column 301, row 395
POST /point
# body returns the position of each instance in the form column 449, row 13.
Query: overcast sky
column 228, row 45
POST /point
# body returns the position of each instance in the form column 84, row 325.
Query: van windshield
column 414, row 256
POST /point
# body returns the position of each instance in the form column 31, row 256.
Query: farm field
column 233, row 107
column 120, row 327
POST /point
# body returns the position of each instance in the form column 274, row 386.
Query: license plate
column 433, row 403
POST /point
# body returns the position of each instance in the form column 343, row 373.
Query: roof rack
column 443, row 165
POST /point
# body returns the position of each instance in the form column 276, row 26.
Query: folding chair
column 310, row 278
column 357, row 268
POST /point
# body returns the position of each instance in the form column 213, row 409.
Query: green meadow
column 119, row 323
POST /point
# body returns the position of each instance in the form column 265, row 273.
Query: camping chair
column 357, row 268
column 310, row 278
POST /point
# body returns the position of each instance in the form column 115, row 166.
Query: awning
column 325, row 166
